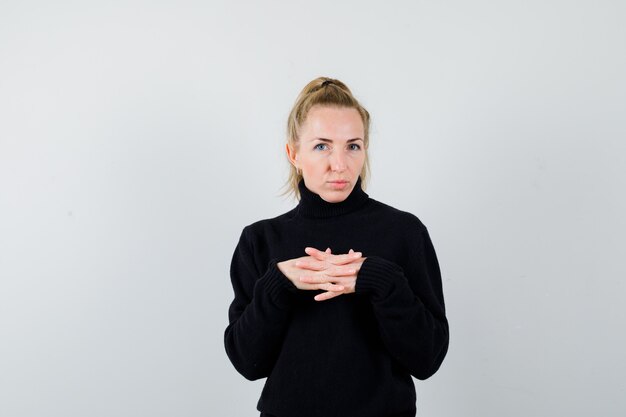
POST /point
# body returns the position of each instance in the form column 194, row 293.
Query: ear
column 291, row 154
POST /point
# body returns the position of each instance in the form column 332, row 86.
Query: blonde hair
column 322, row 91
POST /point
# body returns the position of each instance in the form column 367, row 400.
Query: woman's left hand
column 329, row 268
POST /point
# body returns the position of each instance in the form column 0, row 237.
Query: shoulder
column 262, row 227
column 402, row 233
column 405, row 229
column 397, row 217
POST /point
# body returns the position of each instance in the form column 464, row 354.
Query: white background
column 137, row 139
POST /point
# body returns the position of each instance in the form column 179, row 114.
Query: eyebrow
column 330, row 140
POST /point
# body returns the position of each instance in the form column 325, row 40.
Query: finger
column 326, row 295
column 313, row 279
column 332, row 287
column 308, row 287
column 316, row 279
column 315, row 253
column 341, row 271
column 311, row 265
column 321, row 283
column 344, row 259
column 328, row 250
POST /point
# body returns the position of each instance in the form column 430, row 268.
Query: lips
column 338, row 185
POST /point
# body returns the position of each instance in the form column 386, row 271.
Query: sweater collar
column 312, row 205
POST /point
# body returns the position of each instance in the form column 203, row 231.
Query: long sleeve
column 352, row 355
column 258, row 315
column 409, row 307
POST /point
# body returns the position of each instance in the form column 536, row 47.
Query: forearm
column 254, row 335
column 414, row 331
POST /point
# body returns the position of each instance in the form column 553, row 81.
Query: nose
column 338, row 161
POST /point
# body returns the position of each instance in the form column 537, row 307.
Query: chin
column 335, row 197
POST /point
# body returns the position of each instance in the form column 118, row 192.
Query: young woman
column 338, row 301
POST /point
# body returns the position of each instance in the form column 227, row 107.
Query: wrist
column 377, row 277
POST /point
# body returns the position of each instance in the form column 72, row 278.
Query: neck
column 312, row 205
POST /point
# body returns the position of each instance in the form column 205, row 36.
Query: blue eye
column 355, row 147
column 317, row 147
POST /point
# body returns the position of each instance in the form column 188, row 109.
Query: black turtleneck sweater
column 352, row 355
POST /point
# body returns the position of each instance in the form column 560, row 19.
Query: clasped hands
column 336, row 274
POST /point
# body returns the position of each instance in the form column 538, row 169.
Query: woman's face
column 331, row 151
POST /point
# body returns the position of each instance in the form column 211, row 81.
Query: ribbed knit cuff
column 378, row 277
column 277, row 285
